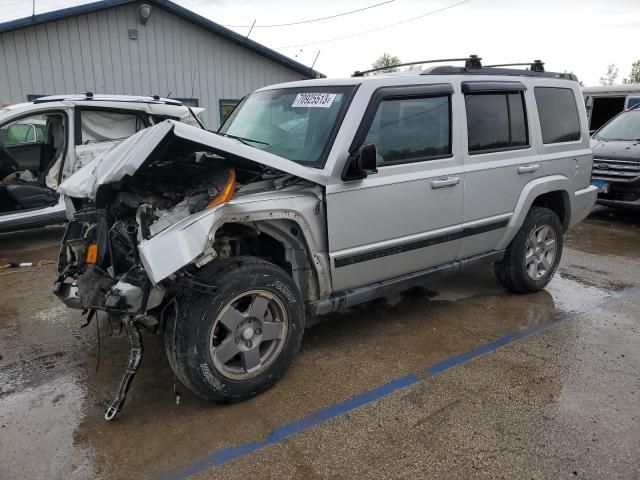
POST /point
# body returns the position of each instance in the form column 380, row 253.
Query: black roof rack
column 472, row 61
column 536, row 65
column 451, row 70
column 473, row 65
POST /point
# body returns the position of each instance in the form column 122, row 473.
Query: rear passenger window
column 105, row 125
column 558, row 114
column 496, row 121
column 411, row 129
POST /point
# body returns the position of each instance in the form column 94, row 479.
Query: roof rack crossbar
column 536, row 65
column 472, row 61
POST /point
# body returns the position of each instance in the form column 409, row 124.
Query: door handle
column 529, row 168
column 445, row 182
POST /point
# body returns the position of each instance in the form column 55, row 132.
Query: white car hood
column 127, row 157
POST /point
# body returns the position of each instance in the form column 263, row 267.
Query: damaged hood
column 128, row 156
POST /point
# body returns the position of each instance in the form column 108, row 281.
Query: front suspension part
column 135, row 357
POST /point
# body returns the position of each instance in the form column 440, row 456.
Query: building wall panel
column 171, row 56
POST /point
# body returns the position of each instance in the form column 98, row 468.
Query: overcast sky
column 580, row 36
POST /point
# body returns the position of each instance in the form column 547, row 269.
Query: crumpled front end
column 143, row 214
column 147, row 215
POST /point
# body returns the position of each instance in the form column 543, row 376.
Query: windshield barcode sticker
column 322, row 100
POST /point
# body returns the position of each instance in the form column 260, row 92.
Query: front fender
column 191, row 238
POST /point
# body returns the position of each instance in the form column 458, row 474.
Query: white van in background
column 604, row 103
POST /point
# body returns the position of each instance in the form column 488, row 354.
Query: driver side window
column 28, row 130
column 411, row 129
column 31, row 146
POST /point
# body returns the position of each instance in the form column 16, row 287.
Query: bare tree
column 634, row 77
column 611, row 75
column 386, row 60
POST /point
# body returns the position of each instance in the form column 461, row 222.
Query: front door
column 408, row 216
column 32, row 149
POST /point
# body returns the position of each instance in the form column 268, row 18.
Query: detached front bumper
column 583, row 202
column 68, row 294
column 87, row 286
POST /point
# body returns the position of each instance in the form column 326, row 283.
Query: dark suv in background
column 616, row 160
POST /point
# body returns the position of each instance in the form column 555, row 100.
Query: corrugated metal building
column 108, row 47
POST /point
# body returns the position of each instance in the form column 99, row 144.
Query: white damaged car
column 44, row 142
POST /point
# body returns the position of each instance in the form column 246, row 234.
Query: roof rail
column 472, row 61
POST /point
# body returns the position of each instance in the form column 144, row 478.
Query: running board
column 348, row 298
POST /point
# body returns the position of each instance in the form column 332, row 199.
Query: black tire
column 512, row 269
column 189, row 332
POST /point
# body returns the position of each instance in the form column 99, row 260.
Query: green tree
column 634, row 77
column 611, row 75
column 386, row 60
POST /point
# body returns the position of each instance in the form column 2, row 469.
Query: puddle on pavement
column 37, row 428
column 60, row 407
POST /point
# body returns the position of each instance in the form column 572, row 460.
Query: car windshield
column 294, row 123
column 625, row 126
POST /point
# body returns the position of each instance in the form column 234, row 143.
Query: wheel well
column 558, row 202
column 280, row 242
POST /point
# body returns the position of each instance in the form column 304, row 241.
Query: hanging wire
column 301, row 22
column 411, row 19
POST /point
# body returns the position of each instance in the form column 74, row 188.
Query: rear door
column 407, row 217
column 499, row 159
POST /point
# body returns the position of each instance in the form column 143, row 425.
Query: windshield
column 625, row 126
column 294, row 123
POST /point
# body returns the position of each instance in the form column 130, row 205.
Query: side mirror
column 361, row 163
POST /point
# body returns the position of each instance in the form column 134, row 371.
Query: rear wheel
column 533, row 255
column 238, row 342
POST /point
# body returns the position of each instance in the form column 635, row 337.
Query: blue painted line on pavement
column 457, row 360
column 281, row 433
column 289, row 429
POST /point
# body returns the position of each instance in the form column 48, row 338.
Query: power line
column 375, row 29
column 314, row 19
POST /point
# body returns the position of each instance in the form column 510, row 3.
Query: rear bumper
column 583, row 202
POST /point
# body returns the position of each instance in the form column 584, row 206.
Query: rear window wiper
column 243, row 139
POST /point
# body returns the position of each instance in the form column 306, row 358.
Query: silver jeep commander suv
column 318, row 195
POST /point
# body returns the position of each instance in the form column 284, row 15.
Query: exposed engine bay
column 100, row 267
column 100, row 248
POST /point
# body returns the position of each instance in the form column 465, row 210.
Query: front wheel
column 533, row 256
column 239, row 341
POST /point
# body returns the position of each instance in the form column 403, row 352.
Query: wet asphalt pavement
column 563, row 401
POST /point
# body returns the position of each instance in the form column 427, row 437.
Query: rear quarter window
column 496, row 121
column 558, row 113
